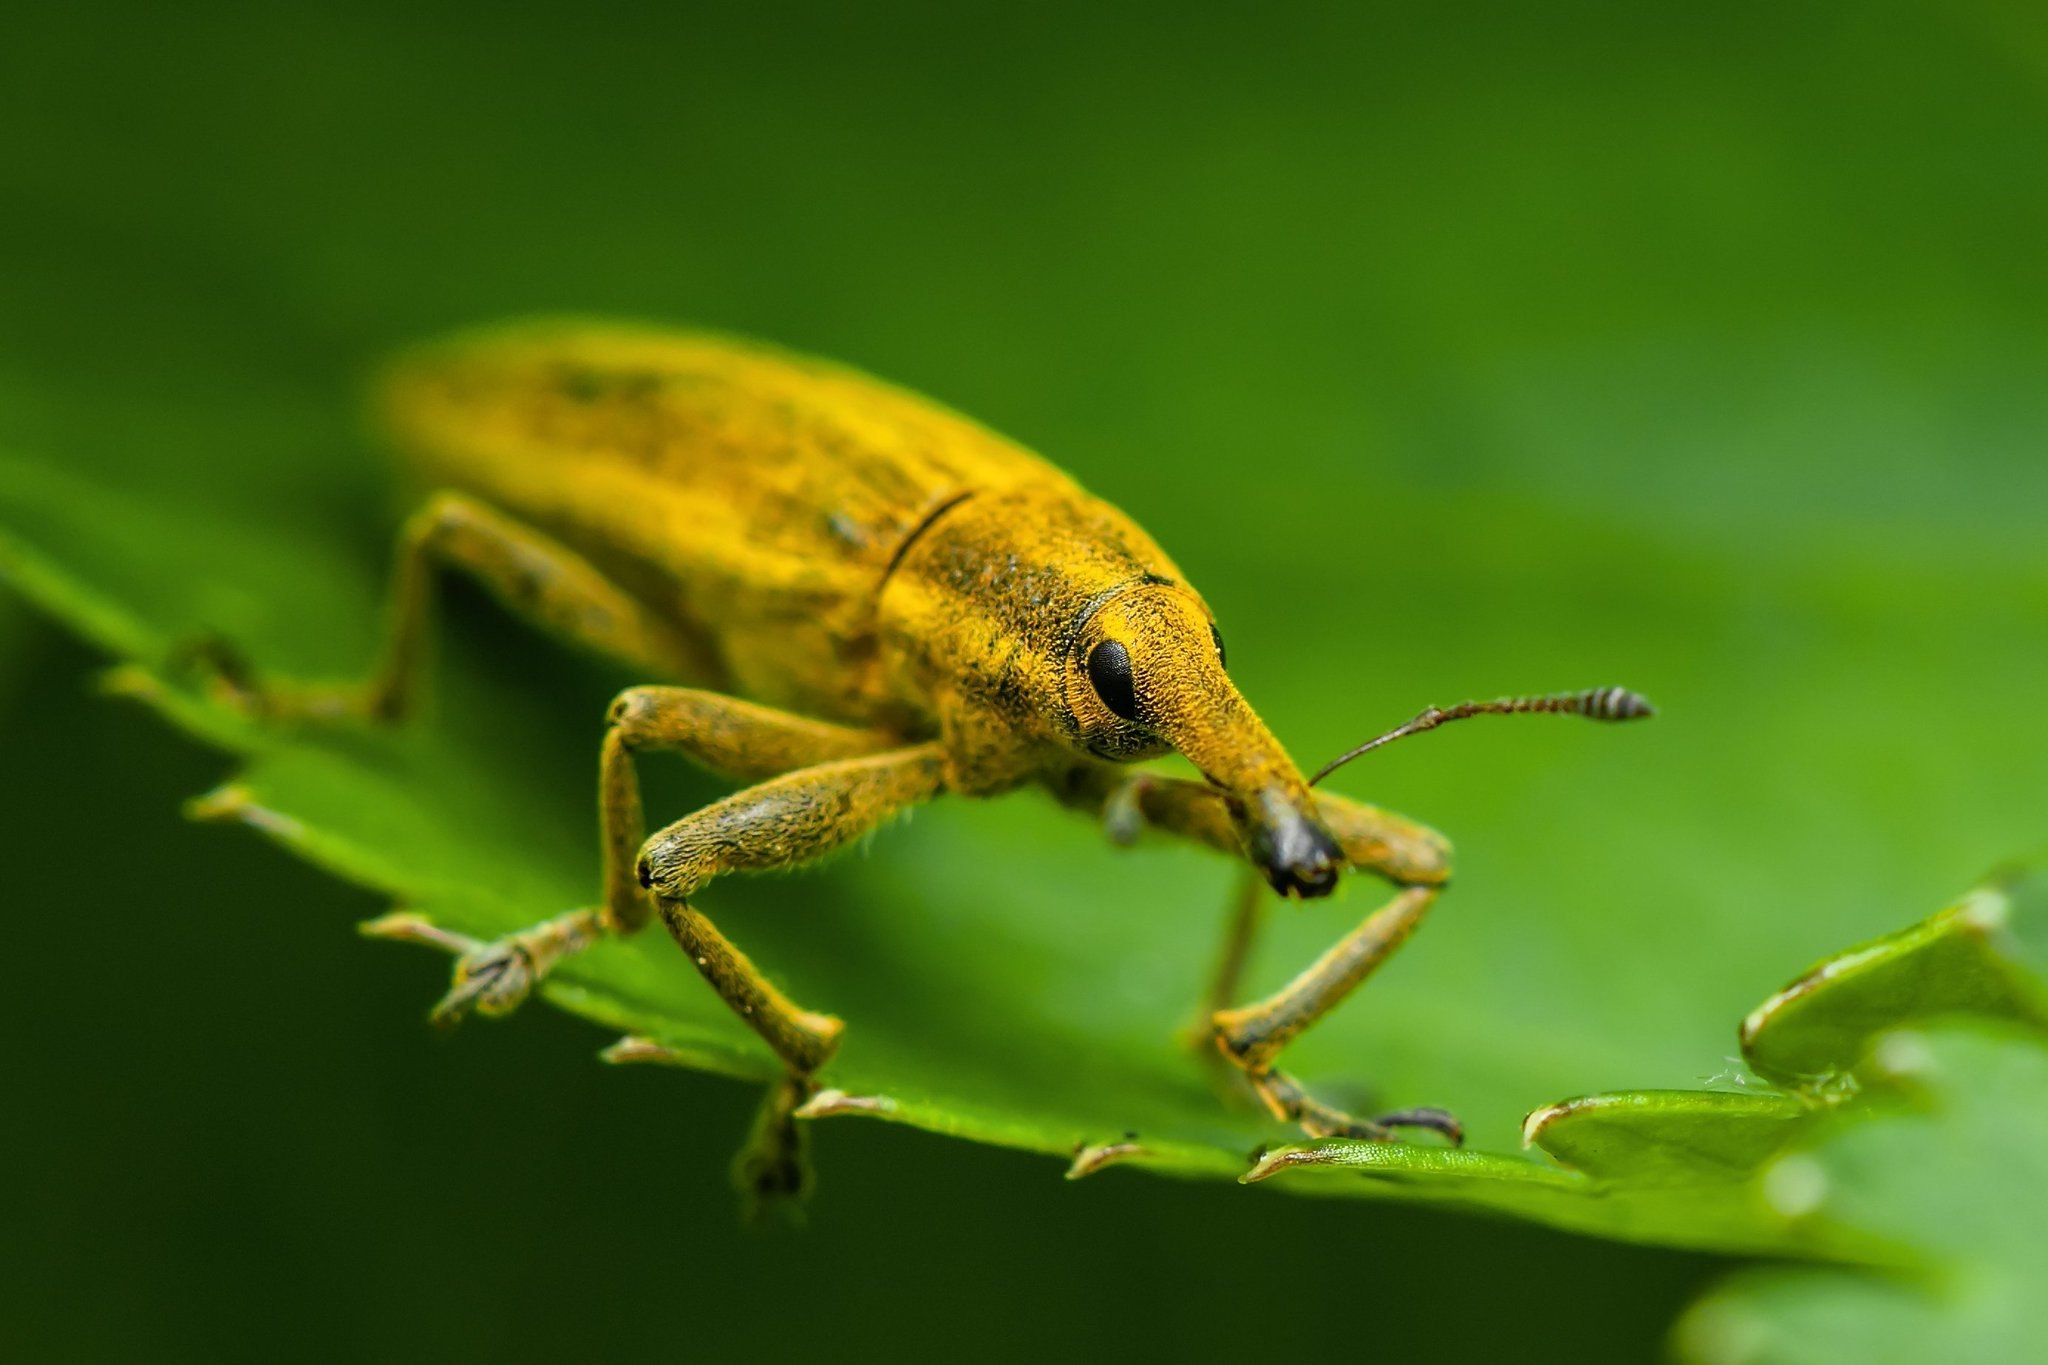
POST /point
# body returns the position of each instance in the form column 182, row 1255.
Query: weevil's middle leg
column 727, row 736
column 1413, row 857
column 723, row 734
column 784, row 822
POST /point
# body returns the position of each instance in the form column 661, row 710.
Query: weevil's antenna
column 1598, row 703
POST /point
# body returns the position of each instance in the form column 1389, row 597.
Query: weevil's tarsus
column 1289, row 1101
column 1428, row 1119
column 1596, row 703
column 773, row 1169
column 495, row 978
column 1286, row 1099
column 492, row 978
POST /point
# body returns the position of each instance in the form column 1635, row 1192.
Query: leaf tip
column 234, row 804
column 1987, row 910
column 827, row 1103
column 1537, row 1121
column 409, row 926
column 131, row 681
column 1757, row 1020
column 1092, row 1157
column 634, row 1048
column 1268, row 1162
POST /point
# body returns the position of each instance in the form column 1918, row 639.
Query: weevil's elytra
column 868, row 601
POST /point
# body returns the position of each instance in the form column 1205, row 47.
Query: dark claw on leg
column 1288, row 1101
column 1435, row 1120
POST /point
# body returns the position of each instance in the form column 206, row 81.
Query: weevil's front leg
column 1373, row 840
column 534, row 576
column 1254, row 1036
column 728, row 736
column 1410, row 855
column 784, row 822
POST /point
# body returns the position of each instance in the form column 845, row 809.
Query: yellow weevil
column 875, row 601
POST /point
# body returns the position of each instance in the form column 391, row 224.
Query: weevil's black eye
column 1217, row 636
column 1109, row 669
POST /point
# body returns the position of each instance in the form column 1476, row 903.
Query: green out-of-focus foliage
column 1451, row 354
column 1960, row 963
column 1929, row 1151
column 1952, row 1184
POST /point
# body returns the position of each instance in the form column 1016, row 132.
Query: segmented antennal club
column 1595, row 703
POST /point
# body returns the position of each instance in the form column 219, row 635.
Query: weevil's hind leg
column 534, row 576
column 724, row 734
column 1253, row 1037
column 781, row 823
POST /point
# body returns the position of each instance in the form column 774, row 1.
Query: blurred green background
column 1452, row 352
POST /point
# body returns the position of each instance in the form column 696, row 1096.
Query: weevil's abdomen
column 759, row 498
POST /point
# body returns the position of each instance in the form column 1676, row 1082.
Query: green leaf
column 1953, row 1185
column 1665, row 1137
column 1959, row 963
column 1008, row 1010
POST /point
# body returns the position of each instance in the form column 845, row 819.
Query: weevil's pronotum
column 872, row 601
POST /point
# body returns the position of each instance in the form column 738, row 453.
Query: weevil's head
column 1144, row 674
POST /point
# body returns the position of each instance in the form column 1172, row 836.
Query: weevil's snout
column 1290, row 847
